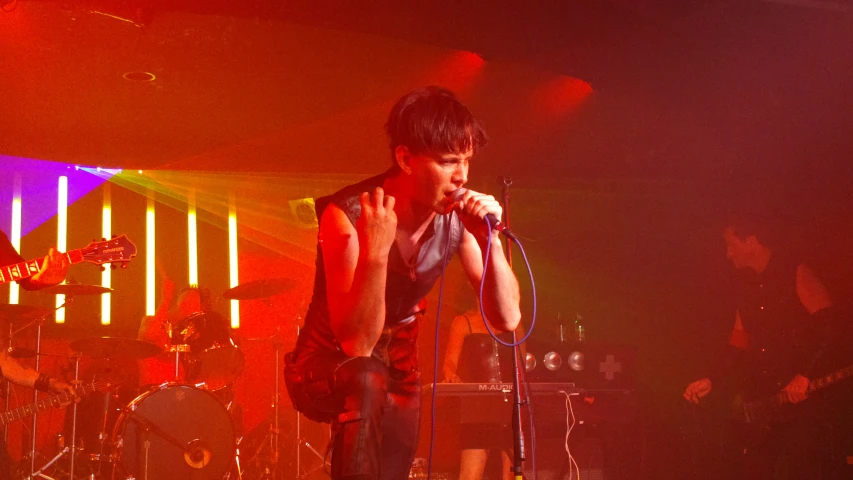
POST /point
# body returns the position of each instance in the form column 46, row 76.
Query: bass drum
column 190, row 432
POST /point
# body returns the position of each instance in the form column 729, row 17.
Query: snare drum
column 190, row 432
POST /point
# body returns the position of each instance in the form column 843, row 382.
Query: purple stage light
column 39, row 183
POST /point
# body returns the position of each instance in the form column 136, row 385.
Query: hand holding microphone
column 473, row 207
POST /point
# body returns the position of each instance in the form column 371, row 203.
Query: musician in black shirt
column 783, row 328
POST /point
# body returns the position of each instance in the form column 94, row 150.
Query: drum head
column 217, row 367
column 190, row 432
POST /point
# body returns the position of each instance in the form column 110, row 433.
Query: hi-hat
column 22, row 312
column 115, row 347
column 76, row 289
column 259, row 289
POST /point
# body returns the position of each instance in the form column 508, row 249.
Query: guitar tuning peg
column 103, row 239
column 114, row 236
column 124, row 265
column 103, row 268
column 113, row 266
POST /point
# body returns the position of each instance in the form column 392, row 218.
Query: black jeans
column 372, row 402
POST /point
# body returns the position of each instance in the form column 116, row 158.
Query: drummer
column 190, row 300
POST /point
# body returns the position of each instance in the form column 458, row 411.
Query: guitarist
column 52, row 272
column 783, row 326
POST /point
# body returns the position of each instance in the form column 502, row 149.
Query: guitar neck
column 20, row 271
column 831, row 378
column 50, row 402
column 819, row 383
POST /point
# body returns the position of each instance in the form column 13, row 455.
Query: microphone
column 493, row 220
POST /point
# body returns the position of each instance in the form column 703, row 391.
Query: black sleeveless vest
column 402, row 292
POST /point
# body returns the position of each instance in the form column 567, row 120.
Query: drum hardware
column 66, row 449
column 271, row 469
column 36, row 316
column 213, row 357
column 178, row 350
column 149, row 435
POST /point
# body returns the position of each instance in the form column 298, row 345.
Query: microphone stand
column 517, row 430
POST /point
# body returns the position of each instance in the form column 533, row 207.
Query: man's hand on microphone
column 473, row 207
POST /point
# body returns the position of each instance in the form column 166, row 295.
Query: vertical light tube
column 15, row 234
column 106, row 232
column 61, row 235
column 150, row 266
column 192, row 236
column 232, row 259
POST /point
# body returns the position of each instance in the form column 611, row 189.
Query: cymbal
column 76, row 289
column 259, row 289
column 24, row 312
column 115, row 347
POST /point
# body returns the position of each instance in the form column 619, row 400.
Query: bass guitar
column 55, row 401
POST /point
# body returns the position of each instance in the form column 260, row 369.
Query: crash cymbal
column 115, row 347
column 76, row 289
column 22, row 312
column 259, row 289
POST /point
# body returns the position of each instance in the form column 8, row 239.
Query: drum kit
column 181, row 429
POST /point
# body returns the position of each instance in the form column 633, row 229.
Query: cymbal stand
column 7, row 391
column 39, row 322
column 35, row 399
column 47, row 465
column 73, row 448
column 178, row 350
column 300, row 441
column 276, row 430
column 271, row 470
column 74, row 419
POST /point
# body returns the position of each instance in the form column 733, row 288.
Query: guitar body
column 757, row 409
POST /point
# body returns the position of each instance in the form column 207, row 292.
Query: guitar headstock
column 115, row 250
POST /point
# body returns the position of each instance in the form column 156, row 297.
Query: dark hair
column 432, row 119
column 204, row 297
column 763, row 226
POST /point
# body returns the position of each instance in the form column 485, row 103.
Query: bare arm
column 501, row 297
column 16, row 373
column 355, row 260
column 812, row 292
column 26, row 377
column 739, row 338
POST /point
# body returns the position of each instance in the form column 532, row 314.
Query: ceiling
column 653, row 88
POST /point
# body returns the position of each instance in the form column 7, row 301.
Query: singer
column 380, row 250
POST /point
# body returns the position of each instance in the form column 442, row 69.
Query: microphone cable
column 488, row 327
